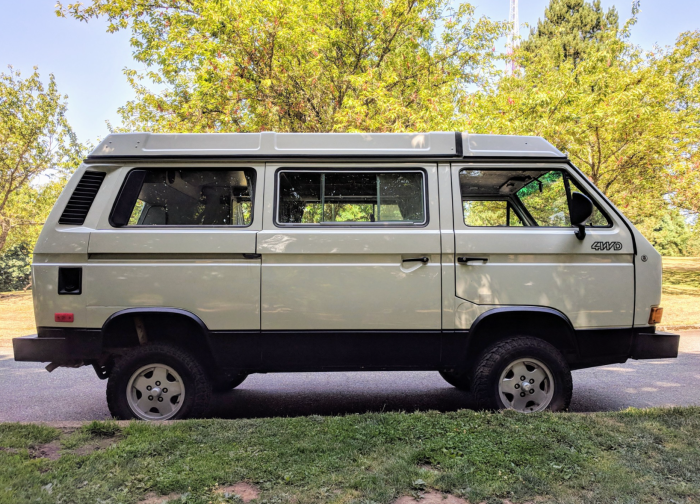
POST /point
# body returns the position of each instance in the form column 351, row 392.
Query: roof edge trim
column 274, row 145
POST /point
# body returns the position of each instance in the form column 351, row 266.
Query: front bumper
column 657, row 345
column 59, row 345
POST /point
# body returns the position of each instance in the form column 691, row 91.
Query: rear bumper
column 59, row 345
column 657, row 345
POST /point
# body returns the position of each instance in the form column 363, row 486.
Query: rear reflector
column 655, row 315
column 63, row 317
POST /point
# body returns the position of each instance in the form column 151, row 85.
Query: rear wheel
column 524, row 374
column 158, row 382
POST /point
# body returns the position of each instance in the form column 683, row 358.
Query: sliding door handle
column 252, row 256
column 467, row 260
column 423, row 259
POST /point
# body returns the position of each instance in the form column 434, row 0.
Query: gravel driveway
column 29, row 393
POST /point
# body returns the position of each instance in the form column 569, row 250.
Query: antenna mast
column 513, row 36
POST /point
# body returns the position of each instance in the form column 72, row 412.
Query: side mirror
column 581, row 210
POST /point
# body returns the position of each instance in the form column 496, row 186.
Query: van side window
column 346, row 197
column 186, row 197
column 488, row 213
column 530, row 198
column 545, row 200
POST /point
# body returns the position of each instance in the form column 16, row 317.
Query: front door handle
column 467, row 260
column 423, row 259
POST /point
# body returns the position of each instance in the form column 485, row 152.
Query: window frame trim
column 184, row 226
column 565, row 172
column 353, row 225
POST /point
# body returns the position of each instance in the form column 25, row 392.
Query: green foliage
column 35, row 139
column 15, row 268
column 336, row 65
column 669, row 233
column 693, row 245
column 629, row 119
column 29, row 207
column 571, row 28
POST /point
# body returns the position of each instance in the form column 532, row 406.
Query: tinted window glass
column 195, row 197
column 535, row 198
column 489, row 213
column 347, row 197
column 545, row 199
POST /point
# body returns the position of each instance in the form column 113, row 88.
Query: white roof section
column 268, row 144
column 508, row 146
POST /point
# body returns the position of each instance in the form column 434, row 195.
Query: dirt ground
column 16, row 316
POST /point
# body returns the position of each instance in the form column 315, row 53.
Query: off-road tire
column 198, row 387
column 459, row 380
column 494, row 360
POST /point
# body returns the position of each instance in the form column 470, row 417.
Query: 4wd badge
column 599, row 245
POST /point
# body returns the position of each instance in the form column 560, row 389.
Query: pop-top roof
column 267, row 144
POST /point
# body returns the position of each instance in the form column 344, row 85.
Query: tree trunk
column 5, row 226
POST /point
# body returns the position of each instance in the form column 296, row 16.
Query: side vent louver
column 80, row 201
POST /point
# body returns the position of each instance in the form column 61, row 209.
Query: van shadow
column 638, row 384
column 301, row 394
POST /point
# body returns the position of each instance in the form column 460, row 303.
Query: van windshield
column 529, row 198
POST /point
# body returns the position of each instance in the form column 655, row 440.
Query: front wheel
column 158, row 382
column 524, row 374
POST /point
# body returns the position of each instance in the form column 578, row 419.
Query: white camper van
column 178, row 264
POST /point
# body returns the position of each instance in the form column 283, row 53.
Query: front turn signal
column 655, row 315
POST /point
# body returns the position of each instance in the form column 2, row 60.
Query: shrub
column 15, row 268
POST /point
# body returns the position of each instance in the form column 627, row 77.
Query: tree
column 35, row 139
column 15, row 268
column 669, row 233
column 331, row 65
column 574, row 26
column 629, row 119
column 28, row 209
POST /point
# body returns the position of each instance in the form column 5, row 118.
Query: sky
column 88, row 62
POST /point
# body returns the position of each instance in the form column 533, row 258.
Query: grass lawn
column 635, row 456
column 681, row 292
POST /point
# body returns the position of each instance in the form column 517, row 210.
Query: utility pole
column 513, row 36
